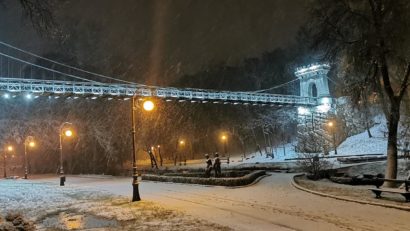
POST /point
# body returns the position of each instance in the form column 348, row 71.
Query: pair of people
column 216, row 166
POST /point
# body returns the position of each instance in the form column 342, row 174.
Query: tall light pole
column 182, row 144
column 159, row 153
column 67, row 132
column 147, row 106
column 225, row 140
column 28, row 142
column 332, row 129
column 7, row 149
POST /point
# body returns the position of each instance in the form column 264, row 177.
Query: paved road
column 271, row 204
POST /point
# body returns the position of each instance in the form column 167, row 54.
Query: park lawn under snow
column 73, row 207
column 362, row 144
column 354, row 145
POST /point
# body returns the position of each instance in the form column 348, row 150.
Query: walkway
column 271, row 204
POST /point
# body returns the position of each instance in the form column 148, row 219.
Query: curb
column 294, row 184
column 251, row 184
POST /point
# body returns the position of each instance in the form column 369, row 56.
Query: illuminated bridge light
column 29, row 96
column 6, row 96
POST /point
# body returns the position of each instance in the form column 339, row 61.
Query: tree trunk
column 393, row 120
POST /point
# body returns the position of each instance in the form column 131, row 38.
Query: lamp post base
column 135, row 190
column 62, row 180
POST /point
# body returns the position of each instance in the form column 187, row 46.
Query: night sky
column 158, row 41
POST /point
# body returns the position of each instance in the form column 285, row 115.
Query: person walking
column 217, row 165
column 208, row 166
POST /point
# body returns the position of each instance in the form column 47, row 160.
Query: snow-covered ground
column 355, row 145
column 362, row 144
column 271, row 204
column 78, row 207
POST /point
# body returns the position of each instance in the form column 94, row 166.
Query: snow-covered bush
column 313, row 165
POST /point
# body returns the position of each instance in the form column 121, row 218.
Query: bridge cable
column 68, row 66
column 48, row 69
column 274, row 87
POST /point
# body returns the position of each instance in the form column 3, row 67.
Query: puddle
column 70, row 221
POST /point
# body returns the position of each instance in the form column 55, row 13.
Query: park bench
column 402, row 191
column 226, row 159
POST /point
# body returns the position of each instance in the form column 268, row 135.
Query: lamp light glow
column 148, row 105
column 68, row 133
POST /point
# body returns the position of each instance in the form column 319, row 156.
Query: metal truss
column 125, row 91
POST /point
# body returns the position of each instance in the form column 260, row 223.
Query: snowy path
column 271, row 204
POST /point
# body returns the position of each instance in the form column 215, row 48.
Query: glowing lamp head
column 181, row 142
column 10, row 148
column 68, row 133
column 32, row 144
column 330, row 124
column 148, row 105
column 224, row 137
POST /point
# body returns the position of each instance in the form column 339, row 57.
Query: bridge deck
column 36, row 86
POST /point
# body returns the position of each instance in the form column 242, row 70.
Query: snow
column 81, row 206
column 271, row 204
column 362, row 144
column 355, row 145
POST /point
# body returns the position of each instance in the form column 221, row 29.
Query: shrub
column 223, row 181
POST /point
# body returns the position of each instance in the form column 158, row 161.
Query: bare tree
column 367, row 40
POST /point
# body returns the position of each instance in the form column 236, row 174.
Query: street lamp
column 182, row 144
column 147, row 106
column 9, row 149
column 225, row 141
column 67, row 132
column 159, row 153
column 332, row 129
column 28, row 142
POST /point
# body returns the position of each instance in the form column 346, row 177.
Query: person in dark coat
column 208, row 166
column 217, row 165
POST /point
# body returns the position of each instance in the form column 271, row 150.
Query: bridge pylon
column 314, row 134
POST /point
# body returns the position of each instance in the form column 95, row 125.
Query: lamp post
column 7, row 149
column 159, row 153
column 29, row 141
column 182, row 144
column 147, row 106
column 225, row 140
column 332, row 129
column 64, row 131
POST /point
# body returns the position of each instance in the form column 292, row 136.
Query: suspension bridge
column 25, row 73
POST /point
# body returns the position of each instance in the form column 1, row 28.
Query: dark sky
column 157, row 41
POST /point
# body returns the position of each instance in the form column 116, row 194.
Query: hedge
column 224, row 174
column 228, row 181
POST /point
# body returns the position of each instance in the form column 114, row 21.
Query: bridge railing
column 128, row 90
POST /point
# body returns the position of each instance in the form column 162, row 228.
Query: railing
column 37, row 86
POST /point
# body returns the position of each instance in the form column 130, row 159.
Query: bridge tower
column 313, row 132
column 313, row 80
